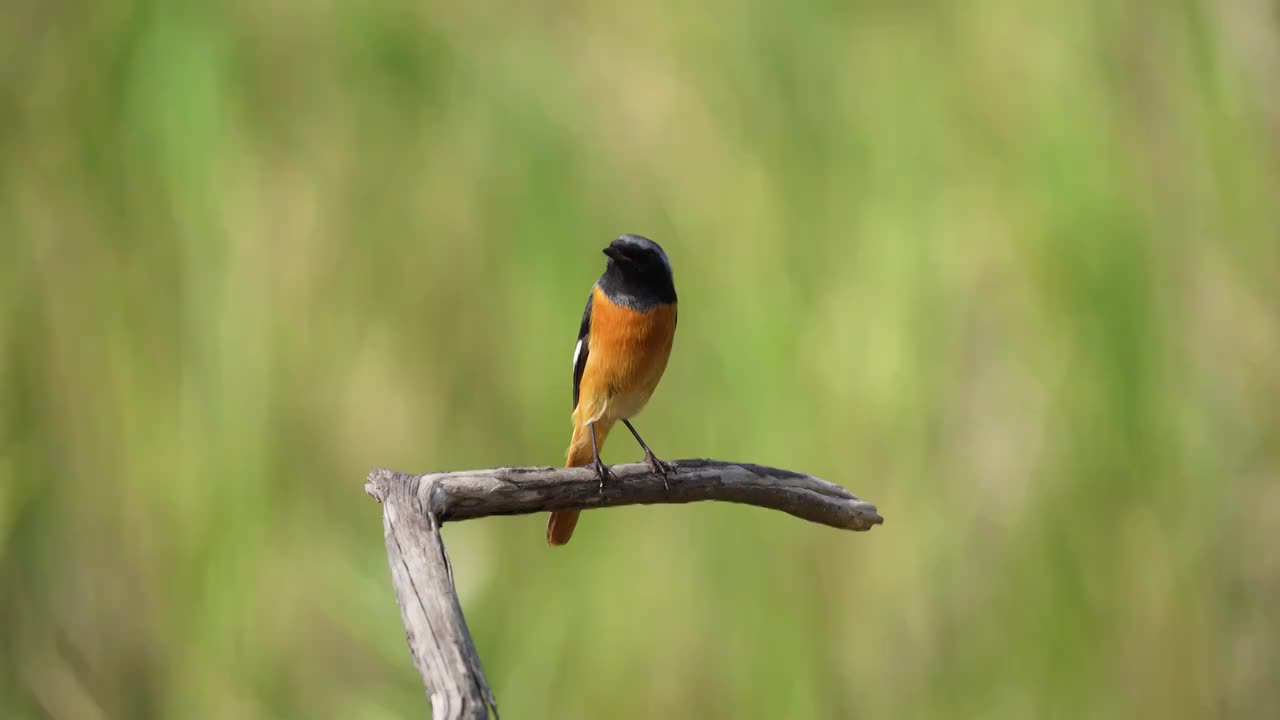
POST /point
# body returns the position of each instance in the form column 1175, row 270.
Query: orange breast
column 628, row 351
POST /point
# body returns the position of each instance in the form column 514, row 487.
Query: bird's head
column 634, row 255
column 638, row 272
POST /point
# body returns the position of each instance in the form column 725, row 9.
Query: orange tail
column 562, row 522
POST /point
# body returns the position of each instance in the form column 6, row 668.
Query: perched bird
column 623, row 346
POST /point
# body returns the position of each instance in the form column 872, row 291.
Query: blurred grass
column 1008, row 270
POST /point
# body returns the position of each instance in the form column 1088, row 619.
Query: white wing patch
column 577, row 351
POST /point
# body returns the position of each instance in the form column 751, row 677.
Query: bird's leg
column 658, row 467
column 602, row 472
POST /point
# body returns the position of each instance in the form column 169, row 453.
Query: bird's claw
column 659, row 468
column 603, row 474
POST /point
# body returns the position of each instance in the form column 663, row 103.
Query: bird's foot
column 603, row 474
column 659, row 468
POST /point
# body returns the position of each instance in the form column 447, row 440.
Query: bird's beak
column 614, row 253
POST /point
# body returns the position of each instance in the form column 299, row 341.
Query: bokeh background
column 1009, row 270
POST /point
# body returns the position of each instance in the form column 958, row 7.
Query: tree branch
column 453, row 496
column 439, row 641
column 414, row 507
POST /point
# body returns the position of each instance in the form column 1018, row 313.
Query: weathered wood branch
column 414, row 507
column 452, row 496
column 435, row 628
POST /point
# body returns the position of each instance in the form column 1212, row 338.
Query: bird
column 624, row 342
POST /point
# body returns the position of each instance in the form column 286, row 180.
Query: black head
column 638, row 274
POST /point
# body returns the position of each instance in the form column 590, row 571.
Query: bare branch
column 414, row 506
column 453, row 496
column 435, row 628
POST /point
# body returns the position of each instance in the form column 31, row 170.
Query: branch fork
column 415, row 506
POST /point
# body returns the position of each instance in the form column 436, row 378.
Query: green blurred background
column 1009, row 270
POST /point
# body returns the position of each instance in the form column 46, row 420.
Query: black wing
column 581, row 350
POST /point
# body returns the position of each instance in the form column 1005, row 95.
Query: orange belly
column 628, row 352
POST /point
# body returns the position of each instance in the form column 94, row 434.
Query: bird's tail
column 560, row 525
